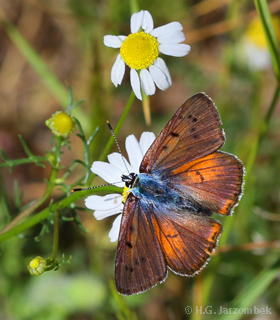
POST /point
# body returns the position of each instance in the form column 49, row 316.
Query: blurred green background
column 68, row 36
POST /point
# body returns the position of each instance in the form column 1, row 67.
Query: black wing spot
column 174, row 134
column 192, row 130
column 131, row 269
column 164, row 147
column 194, row 119
column 196, row 136
column 189, row 116
column 143, row 259
column 126, row 267
column 131, row 228
column 201, row 176
column 128, row 244
column 172, row 235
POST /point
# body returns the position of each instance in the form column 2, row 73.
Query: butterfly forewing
column 193, row 132
column 140, row 263
column 214, row 181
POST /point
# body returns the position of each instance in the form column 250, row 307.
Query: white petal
column 104, row 203
column 106, row 171
column 122, row 38
column 148, row 22
column 135, row 83
column 175, row 50
column 147, row 82
column 173, row 37
column 136, row 21
column 146, row 140
column 117, row 71
column 106, row 206
column 163, row 67
column 112, row 41
column 159, row 77
column 103, row 214
column 134, row 152
column 172, row 26
column 120, row 162
column 115, row 230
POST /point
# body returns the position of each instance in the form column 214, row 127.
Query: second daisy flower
column 140, row 51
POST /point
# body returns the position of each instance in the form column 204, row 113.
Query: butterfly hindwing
column 150, row 240
column 193, row 132
column 187, row 240
column 140, row 263
column 214, row 181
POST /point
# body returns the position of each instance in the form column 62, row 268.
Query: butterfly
column 183, row 179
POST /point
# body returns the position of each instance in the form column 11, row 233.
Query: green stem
column 118, row 127
column 134, row 7
column 13, row 163
column 42, row 215
column 55, row 235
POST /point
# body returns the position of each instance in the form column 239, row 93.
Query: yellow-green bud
column 61, row 123
column 37, row 266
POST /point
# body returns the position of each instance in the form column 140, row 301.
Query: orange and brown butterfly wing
column 140, row 263
column 187, row 240
column 214, row 181
column 193, row 132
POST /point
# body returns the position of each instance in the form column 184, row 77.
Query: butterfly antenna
column 118, row 146
column 90, row 188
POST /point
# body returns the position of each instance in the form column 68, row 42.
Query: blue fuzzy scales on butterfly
column 155, row 190
column 183, row 179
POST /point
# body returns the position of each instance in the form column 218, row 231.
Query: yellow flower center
column 34, row 263
column 63, row 123
column 139, row 50
column 256, row 34
column 126, row 192
column 37, row 266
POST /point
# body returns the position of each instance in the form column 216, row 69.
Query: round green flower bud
column 37, row 266
column 61, row 123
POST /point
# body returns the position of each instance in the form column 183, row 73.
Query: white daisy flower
column 140, row 51
column 111, row 172
column 255, row 44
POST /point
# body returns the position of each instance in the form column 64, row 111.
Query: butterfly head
column 130, row 180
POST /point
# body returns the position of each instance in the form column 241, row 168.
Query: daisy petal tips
column 140, row 52
column 112, row 204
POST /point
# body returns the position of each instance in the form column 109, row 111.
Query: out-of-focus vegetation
column 228, row 61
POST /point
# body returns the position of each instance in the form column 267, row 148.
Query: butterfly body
column 152, row 188
column 166, row 221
